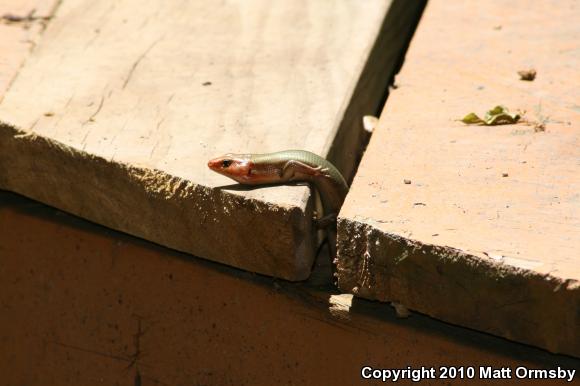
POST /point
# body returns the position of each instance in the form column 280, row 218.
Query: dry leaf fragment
column 528, row 75
column 499, row 115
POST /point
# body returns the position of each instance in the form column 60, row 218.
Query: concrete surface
column 477, row 226
column 81, row 304
column 115, row 114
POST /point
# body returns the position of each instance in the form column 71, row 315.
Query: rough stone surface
column 81, row 304
column 478, row 226
column 115, row 114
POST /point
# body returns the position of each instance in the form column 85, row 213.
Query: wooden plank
column 116, row 113
column 21, row 24
column 485, row 233
column 84, row 305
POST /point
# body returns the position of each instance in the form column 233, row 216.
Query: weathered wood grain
column 115, row 114
column 485, row 231
column 21, row 24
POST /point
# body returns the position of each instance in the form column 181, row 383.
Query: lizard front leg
column 325, row 221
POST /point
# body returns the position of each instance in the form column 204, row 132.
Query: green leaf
column 499, row 115
column 471, row 119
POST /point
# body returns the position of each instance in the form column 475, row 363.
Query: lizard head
column 235, row 166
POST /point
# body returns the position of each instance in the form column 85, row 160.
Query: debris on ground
column 370, row 122
column 528, row 75
column 401, row 310
column 539, row 127
column 499, row 115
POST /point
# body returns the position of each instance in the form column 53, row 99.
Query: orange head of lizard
column 235, row 166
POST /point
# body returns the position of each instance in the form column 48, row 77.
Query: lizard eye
column 226, row 163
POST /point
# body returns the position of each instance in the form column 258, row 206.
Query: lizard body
column 290, row 166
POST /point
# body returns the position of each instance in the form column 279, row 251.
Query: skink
column 289, row 166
